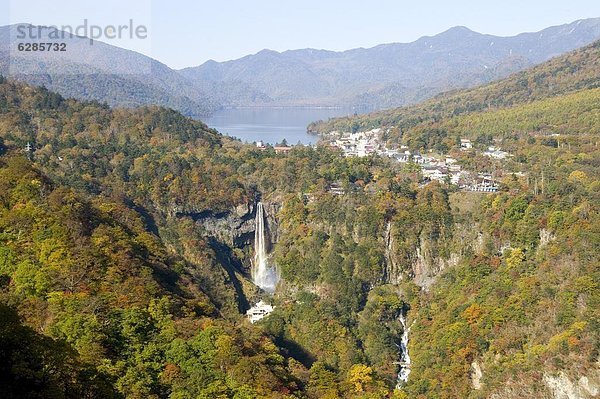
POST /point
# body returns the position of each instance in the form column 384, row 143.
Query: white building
column 418, row 159
column 457, row 176
column 454, row 168
column 336, row 189
column 359, row 144
column 485, row 184
column 403, row 157
column 434, row 173
column 259, row 311
column 465, row 144
column 496, row 153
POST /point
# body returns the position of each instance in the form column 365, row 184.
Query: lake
column 271, row 125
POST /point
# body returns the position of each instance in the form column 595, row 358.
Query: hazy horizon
column 185, row 34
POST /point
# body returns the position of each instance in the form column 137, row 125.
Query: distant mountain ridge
column 381, row 77
column 576, row 72
column 387, row 75
column 102, row 72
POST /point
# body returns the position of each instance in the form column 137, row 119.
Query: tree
column 360, row 376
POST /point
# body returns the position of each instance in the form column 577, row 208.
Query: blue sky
column 187, row 33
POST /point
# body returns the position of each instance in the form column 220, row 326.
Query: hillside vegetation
column 117, row 318
column 576, row 71
column 99, row 71
column 124, row 266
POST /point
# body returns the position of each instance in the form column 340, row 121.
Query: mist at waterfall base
column 264, row 275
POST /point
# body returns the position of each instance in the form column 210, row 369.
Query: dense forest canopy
column 124, row 272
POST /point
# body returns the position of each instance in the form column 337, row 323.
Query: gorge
column 136, row 261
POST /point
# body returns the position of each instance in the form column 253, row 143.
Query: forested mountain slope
column 575, row 71
column 152, row 186
column 387, row 75
column 126, row 243
column 98, row 71
column 384, row 76
column 506, row 321
column 118, row 315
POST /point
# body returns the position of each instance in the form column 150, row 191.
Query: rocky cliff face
column 392, row 273
column 235, row 227
column 548, row 385
column 271, row 209
column 422, row 265
column 230, row 234
column 563, row 387
column 426, row 265
column 431, row 257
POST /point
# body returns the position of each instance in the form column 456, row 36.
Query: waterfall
column 404, row 356
column 264, row 275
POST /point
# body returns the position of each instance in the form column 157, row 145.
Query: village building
column 484, row 184
column 336, row 189
column 435, row 173
column 404, row 157
column 418, row 159
column 458, row 177
column 359, row 144
column 496, row 153
column 465, row 144
column 434, row 167
column 259, row 311
column 282, row 149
